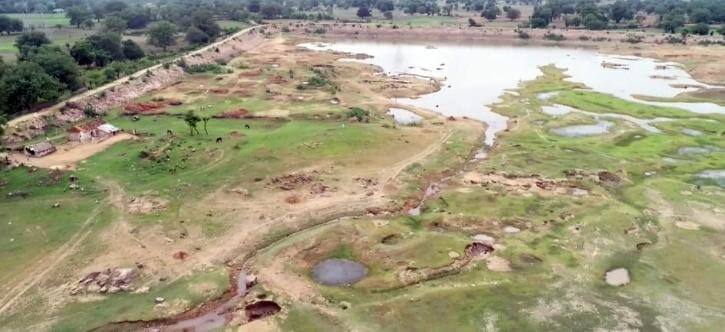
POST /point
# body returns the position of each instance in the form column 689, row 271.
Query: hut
column 92, row 130
column 39, row 149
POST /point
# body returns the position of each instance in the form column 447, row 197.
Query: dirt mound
column 143, row 108
column 261, row 309
column 219, row 91
column 251, row 73
column 108, row 281
column 145, row 205
column 235, row 114
column 292, row 181
column 608, row 177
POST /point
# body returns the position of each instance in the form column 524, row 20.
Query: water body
column 717, row 176
column 404, row 117
column 476, row 75
column 646, row 124
column 338, row 272
column 600, row 128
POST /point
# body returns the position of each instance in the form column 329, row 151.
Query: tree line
column 672, row 15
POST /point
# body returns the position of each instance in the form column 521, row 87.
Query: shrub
column 523, row 34
column 203, row 68
column 358, row 113
column 554, row 36
column 633, row 39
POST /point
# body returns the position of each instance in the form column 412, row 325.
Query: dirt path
column 50, row 262
column 68, row 155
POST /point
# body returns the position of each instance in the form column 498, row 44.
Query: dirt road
column 68, row 155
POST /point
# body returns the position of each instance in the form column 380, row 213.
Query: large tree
column 59, row 65
column 25, row 85
column 78, row 15
column 162, row 34
column 29, row 42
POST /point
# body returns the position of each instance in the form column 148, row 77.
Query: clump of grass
column 204, row 68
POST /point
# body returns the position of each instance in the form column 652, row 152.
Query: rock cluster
column 108, row 281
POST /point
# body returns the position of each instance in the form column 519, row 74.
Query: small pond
column 338, row 272
column 600, row 128
column 405, row 117
column 717, row 176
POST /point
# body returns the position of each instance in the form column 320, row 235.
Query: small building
column 92, row 130
column 39, row 149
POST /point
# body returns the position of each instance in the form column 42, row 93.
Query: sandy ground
column 69, row 154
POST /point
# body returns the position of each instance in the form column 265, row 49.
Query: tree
column 701, row 29
column 254, row 6
column 620, row 10
column 191, row 120
column 114, row 24
column 270, row 11
column 204, row 21
column 513, row 14
column 592, row 21
column 206, row 121
column 26, row 84
column 115, row 6
column 195, row 36
column 9, row 25
column 78, row 15
column 83, row 53
column 162, row 34
column 363, row 12
column 59, row 65
column 385, row 5
column 700, row 15
column 131, row 50
column 388, row 15
column 107, row 47
column 491, row 12
column 672, row 21
column 29, row 42
column 721, row 31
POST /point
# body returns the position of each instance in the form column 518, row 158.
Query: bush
column 523, row 34
column 701, row 29
column 204, row 68
column 131, row 50
column 358, row 113
column 195, row 36
column 554, row 36
column 319, row 31
column 633, row 39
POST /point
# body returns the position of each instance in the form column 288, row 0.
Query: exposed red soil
column 235, row 114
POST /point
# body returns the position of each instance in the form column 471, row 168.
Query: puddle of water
column 691, row 132
column 338, row 272
column 547, row 95
column 479, row 74
column 646, row 124
column 600, row 128
column 214, row 319
column 405, row 117
column 689, row 150
column 717, row 176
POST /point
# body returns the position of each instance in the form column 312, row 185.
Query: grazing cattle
column 218, row 140
column 169, row 132
column 247, row 126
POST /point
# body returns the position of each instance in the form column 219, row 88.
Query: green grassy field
column 40, row 21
